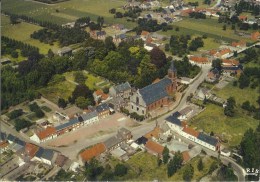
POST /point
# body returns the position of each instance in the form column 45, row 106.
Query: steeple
column 172, row 71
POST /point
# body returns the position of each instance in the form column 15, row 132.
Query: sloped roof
column 39, row 152
column 61, row 160
column 89, row 115
column 31, row 149
column 156, row 91
column 224, row 51
column 4, row 144
column 102, row 107
column 153, row 146
column 154, row 133
column 94, row 151
column 141, row 140
column 185, row 110
column 47, row 154
column 191, row 131
column 122, row 87
column 185, row 156
column 46, row 133
column 173, row 119
column 230, row 62
column 112, row 141
column 208, row 139
column 145, row 33
column 69, row 123
column 199, row 59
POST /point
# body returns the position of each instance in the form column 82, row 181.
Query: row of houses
column 115, row 145
column 182, row 129
column 50, row 132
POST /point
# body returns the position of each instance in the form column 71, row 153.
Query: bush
column 21, row 123
column 120, row 170
column 15, row 113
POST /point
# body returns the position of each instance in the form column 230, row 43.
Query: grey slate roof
column 122, row 87
column 112, row 141
column 102, row 107
column 11, row 138
column 90, row 115
column 3, row 136
column 156, row 91
column 208, row 139
column 141, row 140
column 39, row 152
column 47, row 154
column 69, row 123
column 173, row 119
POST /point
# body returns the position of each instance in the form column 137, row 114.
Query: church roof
column 156, row 91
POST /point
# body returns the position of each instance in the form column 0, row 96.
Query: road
column 72, row 150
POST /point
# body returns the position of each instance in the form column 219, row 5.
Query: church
column 156, row 95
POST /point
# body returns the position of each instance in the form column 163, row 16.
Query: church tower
column 172, row 72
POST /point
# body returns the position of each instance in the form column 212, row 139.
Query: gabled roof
column 154, row 133
column 231, row 62
column 191, row 131
column 185, row 156
column 141, row 140
column 4, row 144
column 47, row 154
column 224, row 51
column 122, row 87
column 112, row 141
column 102, row 107
column 155, row 147
column 46, row 133
column 208, row 139
column 93, row 151
column 3, row 136
column 31, row 149
column 185, row 110
column 156, row 91
column 89, row 115
column 199, row 59
column 174, row 120
column 68, row 124
column 144, row 33
column 231, row 68
column 39, row 152
column 61, row 160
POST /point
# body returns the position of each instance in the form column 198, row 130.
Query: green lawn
column 201, row 3
column 240, row 95
column 68, row 11
column 147, row 163
column 22, row 32
column 62, row 90
column 232, row 128
column 208, row 26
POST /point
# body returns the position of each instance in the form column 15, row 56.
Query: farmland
column 66, row 11
column 22, row 32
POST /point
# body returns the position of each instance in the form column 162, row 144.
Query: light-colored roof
column 186, row 110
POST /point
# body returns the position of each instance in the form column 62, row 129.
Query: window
column 132, row 107
column 143, row 111
column 137, row 108
column 137, row 100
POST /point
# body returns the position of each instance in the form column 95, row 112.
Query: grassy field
column 208, row 26
column 240, row 95
column 150, row 170
column 201, row 3
column 67, row 11
column 22, row 32
column 232, row 128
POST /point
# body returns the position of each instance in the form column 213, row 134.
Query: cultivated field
column 231, row 128
column 22, row 32
column 67, row 11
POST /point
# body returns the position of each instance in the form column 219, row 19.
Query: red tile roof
column 238, row 44
column 242, row 17
column 154, row 133
column 93, row 151
column 145, row 33
column 224, row 51
column 155, row 147
column 231, row 62
column 255, row 35
column 3, row 144
column 46, row 133
column 102, row 94
column 199, row 59
column 191, row 131
column 31, row 149
column 212, row 52
column 185, row 156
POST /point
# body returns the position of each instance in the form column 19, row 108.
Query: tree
column 120, row 170
column 158, row 57
column 14, row 54
column 50, row 53
column 226, row 173
column 174, row 164
column 82, row 90
column 21, row 123
column 200, row 165
column 224, row 27
column 80, row 77
column 165, row 155
column 112, row 11
column 15, row 113
column 229, row 110
column 216, row 63
column 188, row 173
column 62, row 103
column 109, row 44
column 244, row 81
column 14, row 19
column 82, row 102
column 93, row 169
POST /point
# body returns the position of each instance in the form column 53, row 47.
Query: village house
column 154, row 134
column 100, row 35
column 156, row 95
column 240, row 44
column 213, row 75
column 123, row 90
column 28, row 152
column 230, row 62
column 255, row 36
column 185, row 112
column 60, row 160
column 208, row 141
column 103, row 110
column 65, row 51
column 100, row 96
column 92, row 152
column 190, row 133
column 44, row 135
column 232, row 70
column 224, row 53
column 119, row 38
column 122, row 136
column 199, row 60
column 45, row 156
column 174, row 123
column 89, row 118
column 144, row 35
column 118, row 27
column 154, row 148
column 116, row 103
